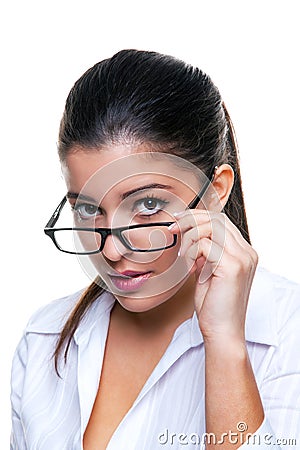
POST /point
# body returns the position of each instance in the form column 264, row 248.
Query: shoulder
column 50, row 319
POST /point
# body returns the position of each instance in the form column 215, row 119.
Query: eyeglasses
column 150, row 237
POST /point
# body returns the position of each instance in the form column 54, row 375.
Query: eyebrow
column 76, row 196
column 126, row 194
column 143, row 188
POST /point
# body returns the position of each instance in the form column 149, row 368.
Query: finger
column 214, row 231
column 187, row 219
column 204, row 247
column 208, row 225
column 222, row 228
column 218, row 261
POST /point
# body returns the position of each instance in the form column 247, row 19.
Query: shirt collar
column 261, row 321
column 100, row 308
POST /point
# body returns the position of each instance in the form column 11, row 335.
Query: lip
column 129, row 280
column 132, row 273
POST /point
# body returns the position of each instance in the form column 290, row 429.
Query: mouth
column 129, row 280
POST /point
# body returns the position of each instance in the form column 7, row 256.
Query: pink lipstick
column 130, row 280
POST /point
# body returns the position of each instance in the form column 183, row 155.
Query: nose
column 113, row 249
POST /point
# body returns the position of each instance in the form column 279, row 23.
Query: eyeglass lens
column 151, row 238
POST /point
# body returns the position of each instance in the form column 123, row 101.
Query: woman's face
column 123, row 185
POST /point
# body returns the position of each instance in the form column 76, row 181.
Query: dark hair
column 145, row 97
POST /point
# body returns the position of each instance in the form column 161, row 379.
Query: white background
column 250, row 49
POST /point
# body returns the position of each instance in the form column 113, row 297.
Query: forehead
column 90, row 171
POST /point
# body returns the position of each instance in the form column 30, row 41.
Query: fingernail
column 173, row 226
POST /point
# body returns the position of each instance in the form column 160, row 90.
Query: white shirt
column 51, row 413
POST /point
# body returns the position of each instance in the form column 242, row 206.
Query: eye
column 149, row 206
column 86, row 211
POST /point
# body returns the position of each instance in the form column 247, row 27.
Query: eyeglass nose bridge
column 105, row 232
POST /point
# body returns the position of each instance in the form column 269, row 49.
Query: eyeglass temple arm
column 56, row 213
column 200, row 194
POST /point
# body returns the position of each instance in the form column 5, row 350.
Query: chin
column 139, row 305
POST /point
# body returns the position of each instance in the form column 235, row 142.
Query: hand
column 224, row 264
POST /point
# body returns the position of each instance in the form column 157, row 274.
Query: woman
column 180, row 339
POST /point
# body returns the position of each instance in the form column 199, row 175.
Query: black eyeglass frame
column 105, row 232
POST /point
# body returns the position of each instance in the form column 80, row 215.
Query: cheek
column 167, row 259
